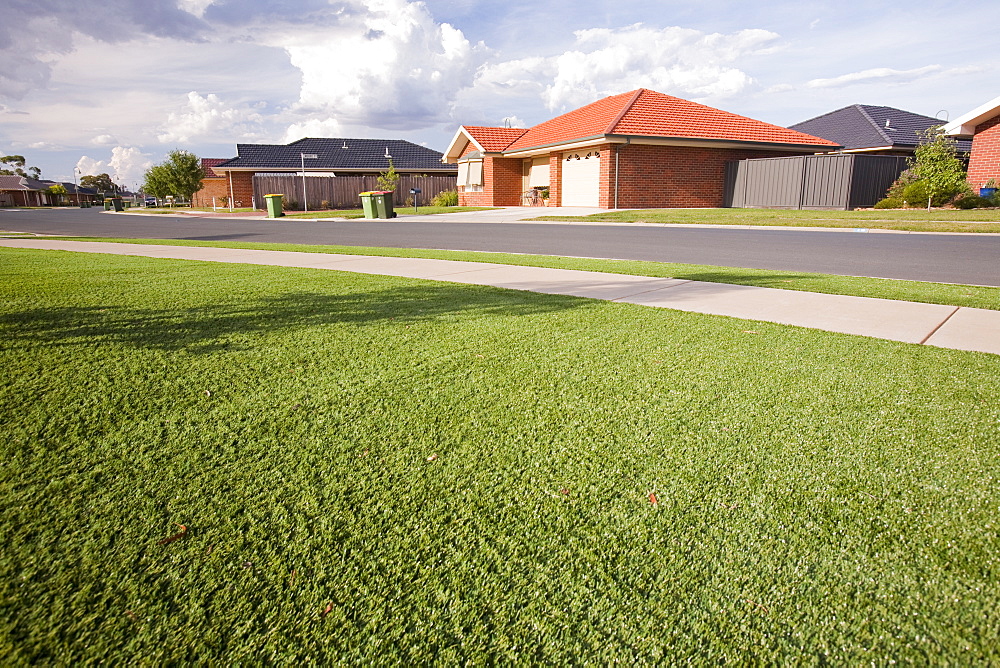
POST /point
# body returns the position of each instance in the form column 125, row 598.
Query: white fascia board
column 457, row 145
column 559, row 148
column 965, row 125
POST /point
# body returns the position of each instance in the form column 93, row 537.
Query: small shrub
column 325, row 204
column 446, row 198
column 889, row 203
column 409, row 201
column 972, row 202
column 289, row 205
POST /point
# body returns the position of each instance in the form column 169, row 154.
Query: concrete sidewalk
column 931, row 324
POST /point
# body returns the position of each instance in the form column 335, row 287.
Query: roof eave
column 723, row 143
column 964, row 127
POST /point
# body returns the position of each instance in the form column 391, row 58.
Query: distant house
column 235, row 178
column 641, row 149
column 874, row 130
column 23, row 191
column 982, row 126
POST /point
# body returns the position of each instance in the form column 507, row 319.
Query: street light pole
column 305, row 200
column 76, row 188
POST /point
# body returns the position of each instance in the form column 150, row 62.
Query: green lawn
column 930, row 293
column 374, row 469
column 914, row 220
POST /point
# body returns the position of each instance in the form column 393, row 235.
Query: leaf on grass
column 291, row 581
column 208, row 393
column 326, row 612
column 131, row 615
column 653, row 500
column 564, row 491
column 170, row 539
column 432, row 458
column 750, row 331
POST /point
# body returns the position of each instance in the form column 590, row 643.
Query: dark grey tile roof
column 868, row 126
column 21, row 183
column 360, row 154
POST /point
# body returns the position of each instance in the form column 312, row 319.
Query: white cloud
column 314, row 127
column 104, row 140
column 883, row 75
column 127, row 165
column 210, row 118
column 678, row 61
column 386, row 64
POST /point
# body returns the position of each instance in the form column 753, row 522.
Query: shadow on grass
column 208, row 328
column 762, row 280
column 223, row 237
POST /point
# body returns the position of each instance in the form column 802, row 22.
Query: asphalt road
column 969, row 259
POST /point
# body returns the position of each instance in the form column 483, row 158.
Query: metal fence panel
column 872, row 178
column 818, row 182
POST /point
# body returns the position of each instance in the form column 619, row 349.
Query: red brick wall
column 242, row 191
column 217, row 188
column 501, row 184
column 555, row 179
column 652, row 177
column 984, row 161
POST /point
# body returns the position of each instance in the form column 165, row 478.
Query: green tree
column 179, row 175
column 102, row 183
column 388, row 179
column 58, row 191
column 13, row 165
column 936, row 164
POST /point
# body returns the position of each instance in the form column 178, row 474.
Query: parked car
column 150, row 201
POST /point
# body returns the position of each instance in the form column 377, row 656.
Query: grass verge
column 403, row 211
column 421, row 472
column 913, row 220
column 930, row 293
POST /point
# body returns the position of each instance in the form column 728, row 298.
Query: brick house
column 641, row 149
column 214, row 187
column 333, row 157
column 873, row 130
column 982, row 125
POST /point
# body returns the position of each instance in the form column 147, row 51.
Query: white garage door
column 581, row 175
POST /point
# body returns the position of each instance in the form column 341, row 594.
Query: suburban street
column 948, row 258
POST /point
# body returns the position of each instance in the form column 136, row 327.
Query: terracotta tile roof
column 208, row 163
column 647, row 113
column 493, row 139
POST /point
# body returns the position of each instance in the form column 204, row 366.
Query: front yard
column 374, row 469
column 913, row 220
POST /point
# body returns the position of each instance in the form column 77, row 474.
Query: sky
column 113, row 86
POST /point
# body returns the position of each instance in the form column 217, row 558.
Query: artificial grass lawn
column 373, row 469
column 917, row 291
column 915, row 220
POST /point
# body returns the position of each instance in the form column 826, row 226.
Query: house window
column 470, row 175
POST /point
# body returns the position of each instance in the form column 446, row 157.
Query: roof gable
column 647, row 113
column 965, row 125
column 208, row 163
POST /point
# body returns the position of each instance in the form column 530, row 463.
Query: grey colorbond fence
column 342, row 191
column 837, row 181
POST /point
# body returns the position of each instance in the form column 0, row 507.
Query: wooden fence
column 341, row 192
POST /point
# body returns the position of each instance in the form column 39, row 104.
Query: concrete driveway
column 506, row 214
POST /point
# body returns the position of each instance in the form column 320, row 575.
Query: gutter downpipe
column 230, row 173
